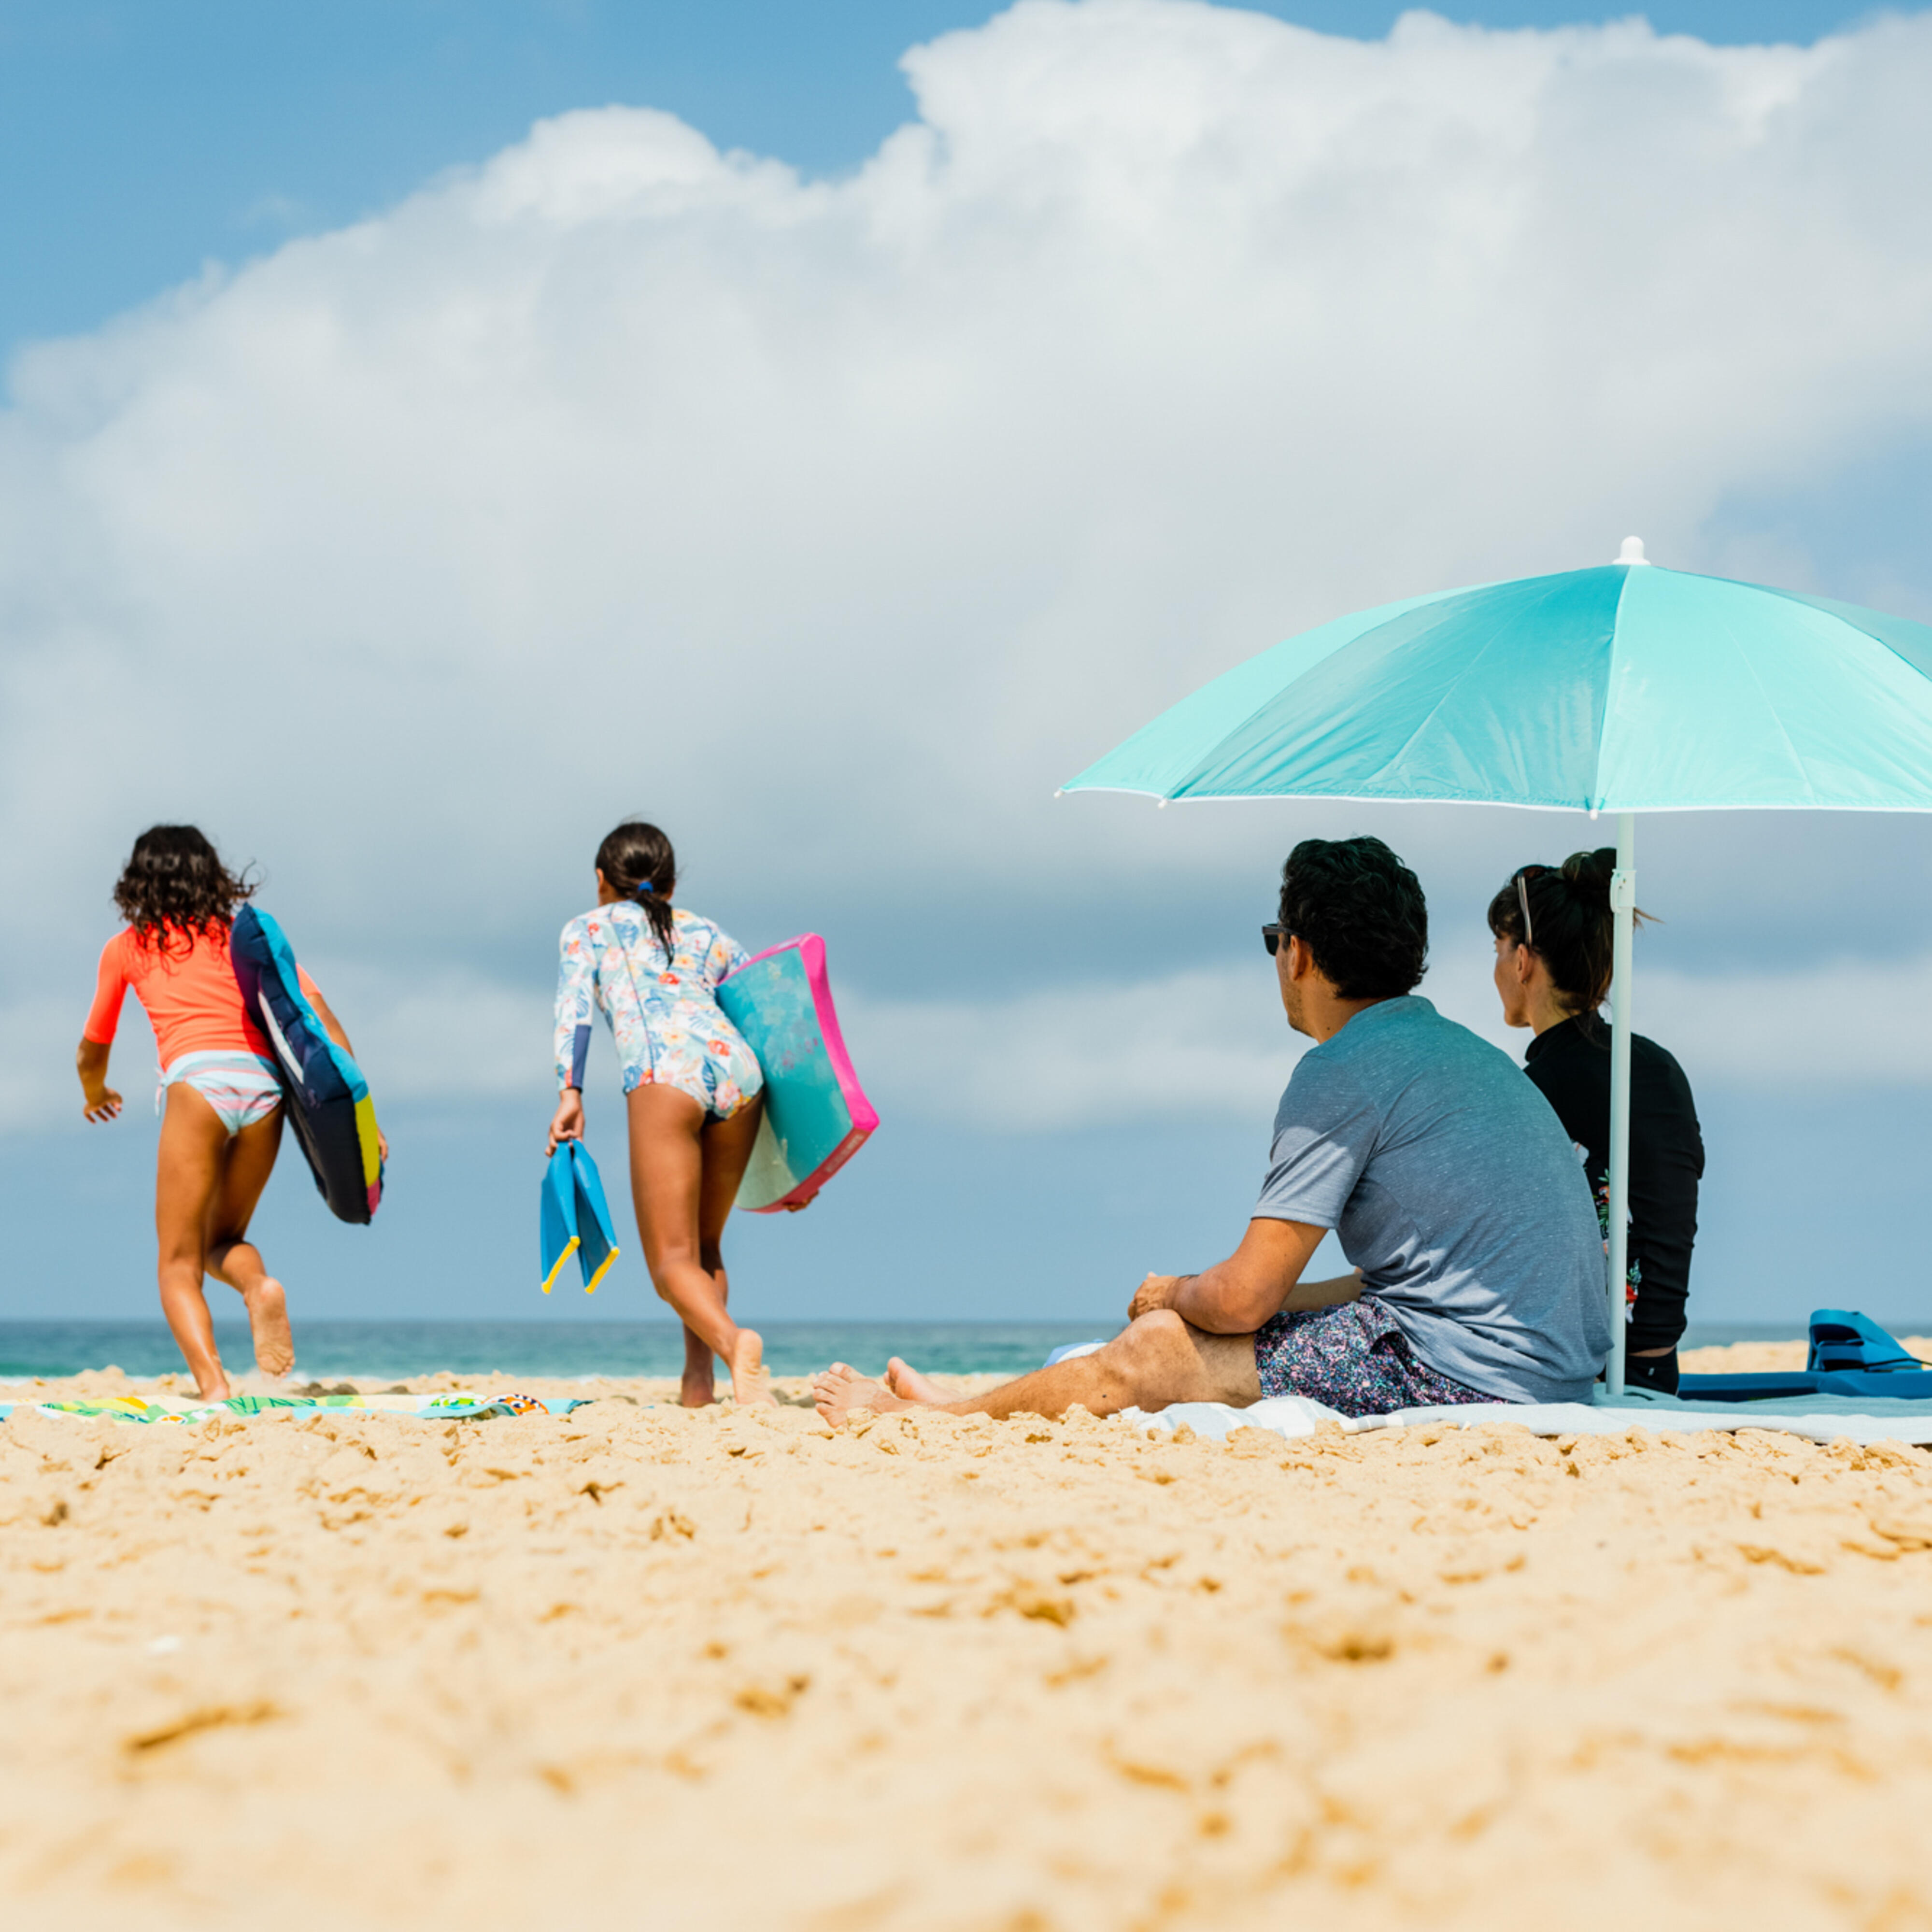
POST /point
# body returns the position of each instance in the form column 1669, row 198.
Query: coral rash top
column 192, row 998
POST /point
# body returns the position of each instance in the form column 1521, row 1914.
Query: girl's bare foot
column 699, row 1389
column 906, row 1383
column 268, row 1327
column 751, row 1387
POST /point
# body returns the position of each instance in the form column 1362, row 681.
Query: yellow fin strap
column 561, row 1259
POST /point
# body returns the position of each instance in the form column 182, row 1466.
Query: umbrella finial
column 1632, row 551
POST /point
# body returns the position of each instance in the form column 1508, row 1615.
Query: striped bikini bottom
column 241, row 1087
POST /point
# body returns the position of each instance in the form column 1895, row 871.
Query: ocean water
column 393, row 1349
column 390, row 1350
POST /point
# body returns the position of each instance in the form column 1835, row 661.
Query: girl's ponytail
column 637, row 861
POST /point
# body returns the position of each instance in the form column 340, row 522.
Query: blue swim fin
column 575, row 1218
column 557, row 1223
column 596, row 1241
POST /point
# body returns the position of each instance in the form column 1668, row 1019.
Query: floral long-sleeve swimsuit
column 661, row 1006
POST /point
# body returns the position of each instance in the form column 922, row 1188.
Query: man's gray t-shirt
column 1456, row 1193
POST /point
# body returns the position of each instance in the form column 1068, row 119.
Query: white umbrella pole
column 1623, row 905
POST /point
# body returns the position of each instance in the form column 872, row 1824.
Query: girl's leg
column 726, row 1146
column 699, row 1385
column 667, row 1176
column 236, row 1260
column 188, row 1172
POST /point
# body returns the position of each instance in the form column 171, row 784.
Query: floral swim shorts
column 1353, row 1357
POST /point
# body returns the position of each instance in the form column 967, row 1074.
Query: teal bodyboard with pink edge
column 816, row 1116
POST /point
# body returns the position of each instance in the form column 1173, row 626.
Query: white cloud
column 1849, row 1023
column 833, row 523
column 1214, row 1045
column 1201, row 1044
column 459, row 1037
column 1207, row 1044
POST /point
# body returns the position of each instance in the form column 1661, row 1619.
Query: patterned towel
column 454, row 1407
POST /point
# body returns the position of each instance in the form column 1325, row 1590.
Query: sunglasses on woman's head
column 1272, row 936
column 1520, row 880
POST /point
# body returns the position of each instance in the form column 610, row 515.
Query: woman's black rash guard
column 1570, row 1063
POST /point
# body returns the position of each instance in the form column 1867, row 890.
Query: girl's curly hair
column 174, row 877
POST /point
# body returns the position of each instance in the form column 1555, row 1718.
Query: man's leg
column 1158, row 1361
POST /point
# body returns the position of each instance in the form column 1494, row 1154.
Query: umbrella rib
column 1205, row 759
column 1838, row 617
column 1596, row 804
column 1771, row 711
column 1429, row 717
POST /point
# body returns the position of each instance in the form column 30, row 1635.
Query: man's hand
column 1157, row 1291
column 567, row 1124
column 1236, row 1296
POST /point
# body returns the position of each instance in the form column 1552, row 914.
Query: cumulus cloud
column 1204, row 1045
column 1212, row 1044
column 834, row 522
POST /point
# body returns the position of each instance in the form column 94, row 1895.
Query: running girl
column 692, row 1088
column 221, row 1125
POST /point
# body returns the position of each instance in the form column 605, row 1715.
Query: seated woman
column 1554, row 930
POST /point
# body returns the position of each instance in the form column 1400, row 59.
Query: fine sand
column 642, row 1668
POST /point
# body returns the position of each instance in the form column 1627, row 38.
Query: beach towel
column 1819, row 1418
column 456, row 1406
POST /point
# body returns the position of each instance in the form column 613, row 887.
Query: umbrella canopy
column 1625, row 688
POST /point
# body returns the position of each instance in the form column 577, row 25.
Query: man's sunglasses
column 1272, row 936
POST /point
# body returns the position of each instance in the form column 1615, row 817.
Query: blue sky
column 140, row 138
column 513, row 468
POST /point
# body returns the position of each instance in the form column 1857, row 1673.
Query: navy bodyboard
column 324, row 1094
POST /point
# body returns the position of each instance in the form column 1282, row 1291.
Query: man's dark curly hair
column 175, row 878
column 1359, row 911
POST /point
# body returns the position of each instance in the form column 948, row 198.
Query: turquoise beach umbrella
column 1623, row 689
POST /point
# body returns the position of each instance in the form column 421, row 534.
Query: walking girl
column 221, row 1099
column 692, row 1088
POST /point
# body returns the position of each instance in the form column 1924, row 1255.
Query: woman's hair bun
column 1562, row 912
column 1589, row 872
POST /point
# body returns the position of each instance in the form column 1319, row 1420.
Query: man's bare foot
column 268, row 1327
column 906, row 1382
column 751, row 1387
column 842, row 1394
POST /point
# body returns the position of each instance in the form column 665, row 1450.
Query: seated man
column 1479, row 1263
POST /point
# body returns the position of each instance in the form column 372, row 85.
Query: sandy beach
column 724, row 1668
